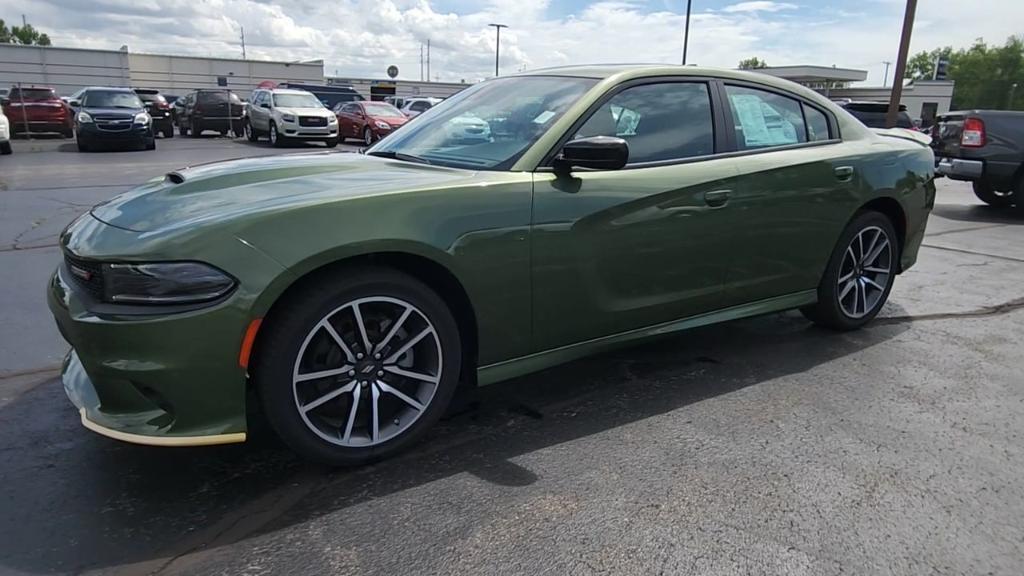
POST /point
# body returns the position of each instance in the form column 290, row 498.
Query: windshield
column 105, row 99
column 488, row 126
column 297, row 101
column 383, row 110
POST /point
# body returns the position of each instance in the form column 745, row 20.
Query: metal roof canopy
column 807, row 73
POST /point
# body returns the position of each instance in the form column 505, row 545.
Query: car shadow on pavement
column 76, row 501
column 982, row 213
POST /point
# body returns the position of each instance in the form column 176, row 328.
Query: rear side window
column 668, row 121
column 765, row 119
column 817, row 124
column 420, row 106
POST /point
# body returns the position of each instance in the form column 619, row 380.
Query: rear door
column 795, row 190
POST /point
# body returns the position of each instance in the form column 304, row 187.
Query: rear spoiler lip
column 904, row 134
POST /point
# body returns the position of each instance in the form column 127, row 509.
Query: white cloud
column 761, row 6
column 360, row 38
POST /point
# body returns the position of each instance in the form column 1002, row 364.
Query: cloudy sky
column 360, row 38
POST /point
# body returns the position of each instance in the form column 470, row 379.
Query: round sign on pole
column 392, row 71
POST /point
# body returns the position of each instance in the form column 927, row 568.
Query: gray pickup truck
column 985, row 147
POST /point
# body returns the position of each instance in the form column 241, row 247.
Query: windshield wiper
column 399, row 156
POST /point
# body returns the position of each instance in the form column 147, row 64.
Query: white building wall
column 64, row 69
column 915, row 95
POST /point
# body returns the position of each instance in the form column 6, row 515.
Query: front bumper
column 960, row 169
column 91, row 134
column 293, row 130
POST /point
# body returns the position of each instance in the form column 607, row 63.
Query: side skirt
column 538, row 361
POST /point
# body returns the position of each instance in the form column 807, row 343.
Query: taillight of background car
column 973, row 135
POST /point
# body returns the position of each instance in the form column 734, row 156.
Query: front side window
column 110, row 99
column 659, row 122
column 765, row 119
column 487, row 126
column 420, row 106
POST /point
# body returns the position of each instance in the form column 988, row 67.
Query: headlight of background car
column 383, row 125
column 288, row 118
column 164, row 283
column 84, row 118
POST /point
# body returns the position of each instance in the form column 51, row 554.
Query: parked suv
column 209, row 109
column 159, row 110
column 285, row 114
column 38, row 108
column 5, row 134
column 985, row 147
column 112, row 116
column 415, row 106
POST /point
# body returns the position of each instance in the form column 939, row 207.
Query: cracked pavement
column 763, row 446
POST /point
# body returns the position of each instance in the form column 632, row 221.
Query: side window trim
column 717, row 122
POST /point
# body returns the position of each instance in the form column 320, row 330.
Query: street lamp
column 497, row 45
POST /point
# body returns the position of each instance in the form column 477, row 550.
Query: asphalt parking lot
column 763, row 446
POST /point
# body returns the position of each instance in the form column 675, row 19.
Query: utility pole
column 885, row 78
column 686, row 31
column 497, row 46
column 1009, row 102
column 428, row 59
column 243, row 42
column 901, row 64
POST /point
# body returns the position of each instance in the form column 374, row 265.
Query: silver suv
column 289, row 115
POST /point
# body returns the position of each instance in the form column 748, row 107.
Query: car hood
column 306, row 111
column 392, row 120
column 112, row 111
column 221, row 191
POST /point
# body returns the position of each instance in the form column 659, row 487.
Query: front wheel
column 859, row 274
column 358, row 365
column 5, row 147
column 367, row 136
column 275, row 138
column 989, row 195
column 331, row 142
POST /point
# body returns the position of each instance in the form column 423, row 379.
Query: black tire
column 5, row 148
column 368, row 138
column 331, row 142
column 182, row 129
column 284, row 334
column 151, row 144
column 168, row 132
column 276, row 139
column 82, row 146
column 828, row 311
column 194, row 129
column 987, row 194
column 68, row 133
column 250, row 132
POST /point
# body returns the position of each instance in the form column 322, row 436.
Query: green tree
column 752, row 64
column 26, row 34
column 984, row 75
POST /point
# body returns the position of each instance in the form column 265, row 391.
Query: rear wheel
column 168, row 132
column 357, row 366
column 989, row 195
column 194, row 129
column 859, row 274
column 182, row 130
column 250, row 133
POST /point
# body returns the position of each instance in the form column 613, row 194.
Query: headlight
column 142, row 118
column 164, row 283
column 332, row 119
column 288, row 118
column 383, row 125
column 84, row 118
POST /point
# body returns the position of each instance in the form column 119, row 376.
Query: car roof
column 622, row 72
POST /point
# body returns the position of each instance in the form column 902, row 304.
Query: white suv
column 284, row 115
column 413, row 107
column 5, row 134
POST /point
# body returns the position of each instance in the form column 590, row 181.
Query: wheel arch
column 893, row 210
column 436, row 275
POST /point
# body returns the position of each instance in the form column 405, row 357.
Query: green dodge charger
column 353, row 293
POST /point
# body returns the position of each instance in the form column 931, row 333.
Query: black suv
column 159, row 110
column 209, row 109
column 112, row 116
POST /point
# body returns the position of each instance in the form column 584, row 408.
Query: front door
column 618, row 250
column 793, row 197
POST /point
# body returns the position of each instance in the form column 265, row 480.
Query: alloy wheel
column 367, row 371
column 367, row 136
column 865, row 273
column 273, row 134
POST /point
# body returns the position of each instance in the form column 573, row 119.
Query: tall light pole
column 885, row 77
column 497, row 46
column 686, row 32
column 901, row 65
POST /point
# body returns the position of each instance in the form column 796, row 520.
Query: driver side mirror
column 74, row 103
column 265, row 105
column 596, row 152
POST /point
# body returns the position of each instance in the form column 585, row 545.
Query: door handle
column 844, row 173
column 717, row 198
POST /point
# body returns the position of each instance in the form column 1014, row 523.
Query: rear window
column 873, row 115
column 151, row 97
column 32, row 94
column 218, row 97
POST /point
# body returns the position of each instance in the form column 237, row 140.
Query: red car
column 368, row 121
column 40, row 109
